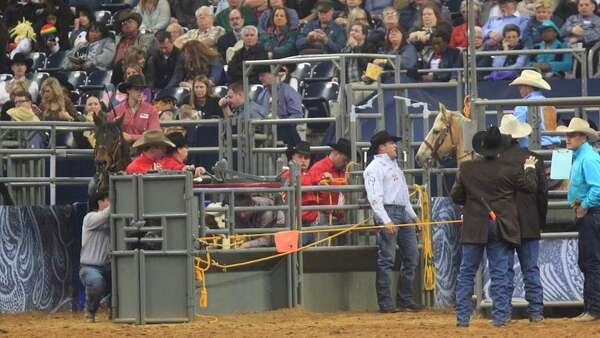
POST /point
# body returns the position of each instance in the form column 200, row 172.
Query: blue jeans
column 589, row 259
column 498, row 253
column 528, row 254
column 96, row 280
column 406, row 238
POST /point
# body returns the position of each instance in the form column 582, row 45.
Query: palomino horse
column 444, row 139
column 111, row 152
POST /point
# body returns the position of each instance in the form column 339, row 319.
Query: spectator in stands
column 231, row 42
column 331, row 170
column 56, row 12
column 583, row 195
column 94, row 271
column 533, row 32
column 342, row 18
column 25, row 110
column 23, row 37
column 130, row 22
column 138, row 115
column 565, row 9
column 175, row 31
column 233, row 104
column 250, row 51
column 165, row 66
column 222, row 19
column 376, row 7
column 432, row 22
column 552, row 64
column 176, row 156
column 390, row 20
column 155, row 15
column 359, row 15
column 55, row 105
column 289, row 106
column 322, row 35
column 356, row 67
column 96, row 53
column 265, row 17
column 133, row 56
column 199, row 59
column 411, row 14
column 459, row 38
column 530, row 85
column 80, row 27
column 18, row 10
column 511, row 42
column 206, row 32
column 279, row 39
column 493, row 30
column 19, row 65
column 440, row 56
column 116, row 97
column 584, row 27
column 49, row 42
column 202, row 101
column 94, row 108
column 152, row 145
column 257, row 219
column 183, row 12
column 395, row 43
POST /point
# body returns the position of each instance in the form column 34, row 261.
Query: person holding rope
column 584, row 196
column 387, row 193
column 487, row 187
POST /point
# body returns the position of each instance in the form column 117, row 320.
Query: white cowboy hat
column 510, row 125
column 578, row 125
column 531, row 78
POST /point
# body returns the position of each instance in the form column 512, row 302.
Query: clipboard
column 562, row 161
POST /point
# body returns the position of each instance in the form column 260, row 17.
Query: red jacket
column 327, row 197
column 141, row 165
column 458, row 38
column 171, row 163
column 308, row 198
column 135, row 123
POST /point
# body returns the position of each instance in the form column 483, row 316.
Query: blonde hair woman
column 156, row 15
column 55, row 105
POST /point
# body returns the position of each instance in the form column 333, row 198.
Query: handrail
column 552, row 101
column 529, row 51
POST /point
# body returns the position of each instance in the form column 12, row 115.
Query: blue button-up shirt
column 520, row 113
column 584, row 185
column 386, row 185
column 497, row 23
column 289, row 102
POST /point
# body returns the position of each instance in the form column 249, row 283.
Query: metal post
column 53, row 165
column 380, row 107
column 352, row 124
column 533, row 116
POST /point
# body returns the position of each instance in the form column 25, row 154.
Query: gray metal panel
column 125, row 293
column 163, row 194
column 123, row 194
column 176, row 233
column 117, row 234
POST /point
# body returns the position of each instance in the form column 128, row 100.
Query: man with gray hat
column 387, row 193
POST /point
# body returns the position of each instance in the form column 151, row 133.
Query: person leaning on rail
column 531, row 207
column 584, row 196
column 486, row 187
column 153, row 145
column 387, row 193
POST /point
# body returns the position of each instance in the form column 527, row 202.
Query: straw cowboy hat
column 153, row 137
column 578, row 125
column 510, row 125
column 22, row 114
column 490, row 143
column 531, row 78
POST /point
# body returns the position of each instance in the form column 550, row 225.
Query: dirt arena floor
column 291, row 323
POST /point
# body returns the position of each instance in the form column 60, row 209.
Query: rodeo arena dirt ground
column 292, row 323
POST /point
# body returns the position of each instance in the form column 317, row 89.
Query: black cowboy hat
column 302, row 148
column 134, row 81
column 178, row 139
column 379, row 138
column 491, row 142
column 21, row 59
column 343, row 146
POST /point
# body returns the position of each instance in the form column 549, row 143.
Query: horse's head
column 444, row 139
column 111, row 152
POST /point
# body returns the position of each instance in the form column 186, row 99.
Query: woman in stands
column 93, row 108
column 96, row 53
column 81, row 25
column 279, row 40
column 431, row 20
column 55, row 106
column 19, row 65
column 395, row 43
column 202, row 100
column 265, row 17
column 584, row 27
column 343, row 18
column 199, row 59
column 156, row 15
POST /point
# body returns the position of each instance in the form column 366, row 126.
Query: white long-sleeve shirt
column 386, row 185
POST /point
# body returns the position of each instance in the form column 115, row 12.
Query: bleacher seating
column 316, row 101
column 322, row 71
column 77, row 78
column 104, row 17
column 39, row 60
column 253, row 91
column 38, row 77
column 55, row 62
column 220, row 91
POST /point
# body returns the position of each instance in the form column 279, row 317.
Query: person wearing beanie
column 176, row 156
column 49, row 39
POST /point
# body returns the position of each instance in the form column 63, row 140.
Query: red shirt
column 171, row 163
column 458, row 38
column 316, row 172
column 141, row 165
column 308, row 198
column 135, row 123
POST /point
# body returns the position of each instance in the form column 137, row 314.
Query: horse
column 111, row 153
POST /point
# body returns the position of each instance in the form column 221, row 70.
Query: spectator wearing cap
column 97, row 52
column 206, row 32
column 322, row 35
column 176, row 156
column 331, row 170
column 511, row 41
column 251, row 50
column 156, row 15
column 551, row 65
column 165, row 65
column 300, row 156
column 222, row 18
column 387, row 192
column 583, row 195
column 584, row 27
column 130, row 35
column 490, row 221
column 49, row 42
column 153, row 145
column 531, row 85
column 138, row 115
column 19, row 66
column 531, row 207
column 493, row 30
column 231, row 42
column 544, row 10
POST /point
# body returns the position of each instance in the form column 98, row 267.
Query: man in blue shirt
column 584, row 196
column 323, row 35
column 530, row 84
column 492, row 30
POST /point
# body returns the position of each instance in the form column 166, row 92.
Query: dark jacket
column 184, row 11
column 165, row 72
column 234, row 68
column 532, row 207
column 451, row 58
column 281, row 45
column 224, row 42
column 495, row 182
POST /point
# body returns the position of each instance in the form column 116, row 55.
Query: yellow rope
column 429, row 265
column 201, row 278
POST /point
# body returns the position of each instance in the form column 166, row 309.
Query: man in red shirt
column 300, row 155
column 153, row 145
column 176, row 156
column 138, row 115
column 331, row 170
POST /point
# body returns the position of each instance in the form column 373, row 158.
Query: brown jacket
column 532, row 207
column 495, row 182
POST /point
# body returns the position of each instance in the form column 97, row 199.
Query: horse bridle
column 113, row 154
column 440, row 140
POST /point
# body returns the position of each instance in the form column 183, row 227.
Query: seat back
column 77, row 78
column 104, row 17
column 255, row 89
column 5, row 77
column 322, row 71
column 220, row 91
column 56, row 61
column 180, row 94
column 39, row 60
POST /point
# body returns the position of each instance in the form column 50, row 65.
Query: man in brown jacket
column 532, row 209
column 486, row 187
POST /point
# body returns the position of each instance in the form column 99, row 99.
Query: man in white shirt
column 387, row 193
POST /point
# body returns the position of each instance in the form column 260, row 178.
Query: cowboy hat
column 578, row 125
column 178, row 139
column 381, row 137
column 21, row 59
column 510, row 125
column 343, row 146
column 153, row 137
column 125, row 15
column 531, row 78
column 134, row 81
column 490, row 143
column 302, row 148
column 22, row 114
